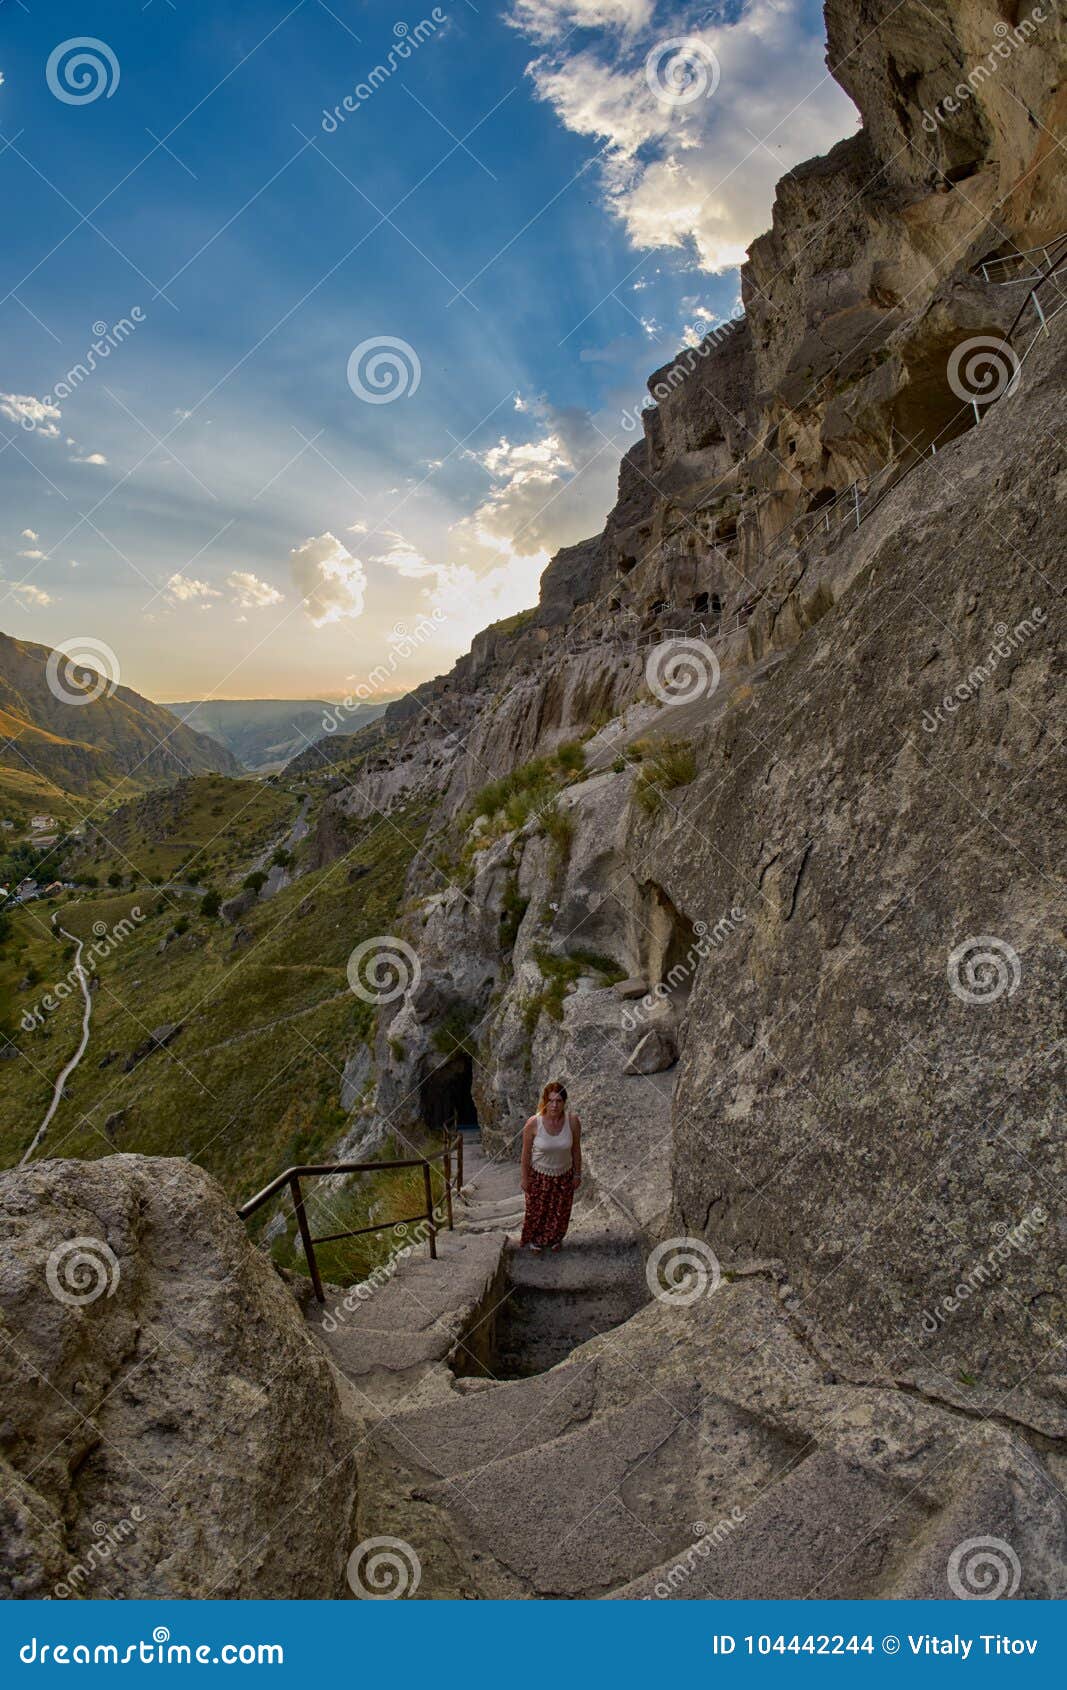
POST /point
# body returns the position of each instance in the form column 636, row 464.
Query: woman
column 551, row 1169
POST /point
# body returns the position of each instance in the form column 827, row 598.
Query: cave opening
column 446, row 1098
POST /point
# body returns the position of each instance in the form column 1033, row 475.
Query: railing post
column 459, row 1162
column 305, row 1234
column 428, row 1190
column 448, row 1185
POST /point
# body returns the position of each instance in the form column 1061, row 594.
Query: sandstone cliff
column 785, row 922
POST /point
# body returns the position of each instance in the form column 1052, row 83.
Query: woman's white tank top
column 553, row 1153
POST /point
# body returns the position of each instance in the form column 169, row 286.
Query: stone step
column 585, row 1512
column 384, row 1336
column 486, row 1424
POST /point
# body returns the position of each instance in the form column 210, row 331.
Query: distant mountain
column 264, row 733
column 53, row 748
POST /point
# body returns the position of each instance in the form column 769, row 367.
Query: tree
column 252, row 882
column 209, row 903
column 114, row 878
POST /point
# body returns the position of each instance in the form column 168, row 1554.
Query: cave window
column 658, row 607
column 626, row 564
column 700, row 603
column 792, row 447
column 614, row 604
column 446, row 1101
column 716, row 604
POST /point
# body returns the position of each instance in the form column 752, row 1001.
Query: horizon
column 330, row 371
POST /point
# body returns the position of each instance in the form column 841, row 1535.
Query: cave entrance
column 446, row 1100
column 670, row 943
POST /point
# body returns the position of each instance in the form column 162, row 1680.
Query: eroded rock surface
column 170, row 1428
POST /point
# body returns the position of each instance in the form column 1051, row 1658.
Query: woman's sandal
column 555, row 1248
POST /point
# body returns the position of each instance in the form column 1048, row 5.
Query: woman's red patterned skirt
column 548, row 1209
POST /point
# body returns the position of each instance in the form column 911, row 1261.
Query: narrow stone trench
column 555, row 1303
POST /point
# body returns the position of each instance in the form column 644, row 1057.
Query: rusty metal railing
column 292, row 1177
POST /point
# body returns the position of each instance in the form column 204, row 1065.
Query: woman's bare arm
column 528, row 1132
column 576, row 1155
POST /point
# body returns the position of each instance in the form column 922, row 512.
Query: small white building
column 40, row 823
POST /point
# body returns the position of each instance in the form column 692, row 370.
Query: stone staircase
column 537, row 1427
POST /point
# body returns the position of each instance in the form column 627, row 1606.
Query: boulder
column 157, row 1039
column 156, row 1380
column 653, row 1053
column 232, row 909
column 631, row 988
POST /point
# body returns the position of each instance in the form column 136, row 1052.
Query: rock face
column 170, row 1429
column 787, row 933
column 840, row 893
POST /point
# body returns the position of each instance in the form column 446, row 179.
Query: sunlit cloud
column 186, row 590
column 250, row 592
column 24, row 409
column 331, row 582
column 697, row 174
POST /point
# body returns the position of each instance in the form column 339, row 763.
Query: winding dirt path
column 67, row 1071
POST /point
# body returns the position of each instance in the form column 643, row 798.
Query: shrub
column 209, row 904
column 571, row 757
column 559, row 826
column 669, row 764
column 252, row 882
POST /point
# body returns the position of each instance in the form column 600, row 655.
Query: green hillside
column 62, row 742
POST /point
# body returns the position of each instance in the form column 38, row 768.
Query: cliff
column 747, row 831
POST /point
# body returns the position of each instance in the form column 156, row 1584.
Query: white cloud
column 250, row 592
column 184, row 589
column 34, row 552
column 24, row 409
column 548, row 491
column 89, row 458
column 328, row 578
column 546, row 20
column 29, row 594
column 697, row 173
column 29, row 534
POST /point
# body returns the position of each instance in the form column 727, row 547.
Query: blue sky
column 514, row 199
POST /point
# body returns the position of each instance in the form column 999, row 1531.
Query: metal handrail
column 1046, row 251
column 292, row 1177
